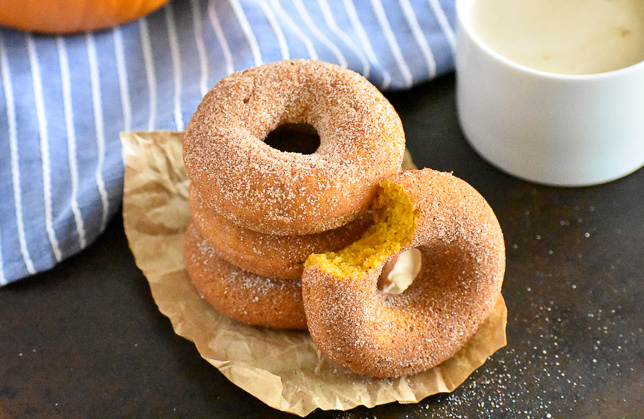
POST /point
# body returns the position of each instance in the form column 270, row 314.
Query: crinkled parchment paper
column 282, row 368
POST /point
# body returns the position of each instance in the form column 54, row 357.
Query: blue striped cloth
column 64, row 99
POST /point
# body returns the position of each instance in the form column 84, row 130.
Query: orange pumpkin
column 69, row 16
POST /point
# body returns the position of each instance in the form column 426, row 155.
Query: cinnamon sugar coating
column 241, row 295
column 269, row 255
column 463, row 263
column 287, row 193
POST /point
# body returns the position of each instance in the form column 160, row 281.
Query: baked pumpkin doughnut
column 361, row 141
column 241, row 295
column 463, row 262
column 264, row 254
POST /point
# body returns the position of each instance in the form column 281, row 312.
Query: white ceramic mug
column 555, row 129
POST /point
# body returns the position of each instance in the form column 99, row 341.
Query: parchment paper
column 282, row 368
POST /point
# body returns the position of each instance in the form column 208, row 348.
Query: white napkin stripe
column 99, row 124
column 333, row 26
column 299, row 34
column 221, row 37
column 417, row 32
column 448, row 31
column 15, row 162
column 44, row 144
column 392, row 42
column 148, row 61
column 247, row 31
column 364, row 41
column 175, row 56
column 276, row 28
column 124, row 87
column 201, row 47
column 306, row 18
column 71, row 138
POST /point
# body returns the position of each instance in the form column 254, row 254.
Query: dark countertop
column 86, row 339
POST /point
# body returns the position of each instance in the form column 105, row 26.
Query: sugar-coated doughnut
column 361, row 141
column 241, row 295
column 463, row 262
column 264, row 254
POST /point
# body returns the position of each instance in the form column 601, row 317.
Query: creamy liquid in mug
column 563, row 36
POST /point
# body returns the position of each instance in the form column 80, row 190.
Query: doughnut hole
column 299, row 138
column 394, row 217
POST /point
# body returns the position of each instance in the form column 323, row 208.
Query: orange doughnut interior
column 394, row 216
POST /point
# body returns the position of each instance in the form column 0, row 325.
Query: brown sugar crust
column 463, row 262
column 264, row 189
column 241, row 295
column 263, row 254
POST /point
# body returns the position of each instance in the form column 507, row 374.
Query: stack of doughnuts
column 297, row 237
column 258, row 212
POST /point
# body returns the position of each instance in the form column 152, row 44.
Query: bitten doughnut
column 361, row 141
column 463, row 262
column 241, row 295
column 280, row 257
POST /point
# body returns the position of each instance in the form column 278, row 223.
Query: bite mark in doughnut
column 463, row 262
column 241, row 295
column 280, row 257
column 286, row 193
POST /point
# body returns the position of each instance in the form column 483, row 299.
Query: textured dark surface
column 86, row 339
